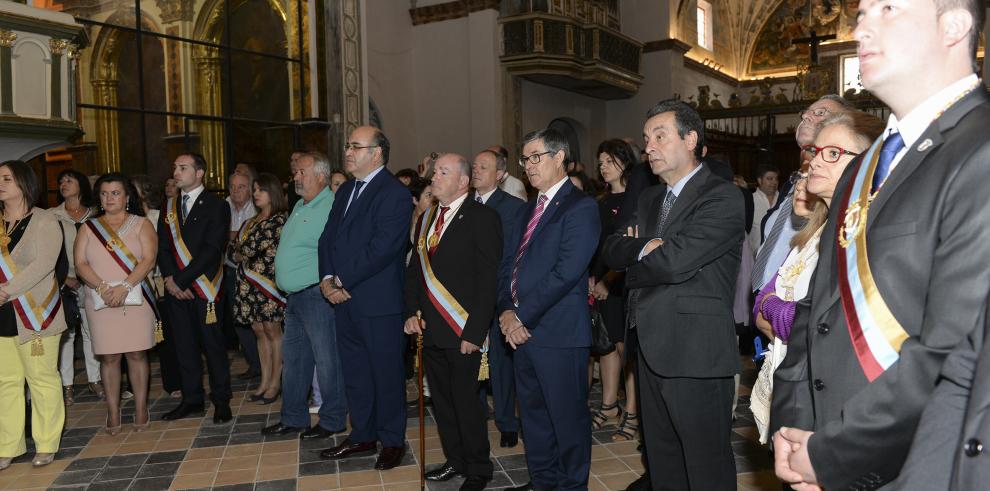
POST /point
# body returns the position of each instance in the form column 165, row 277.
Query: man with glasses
column 906, row 244
column 543, row 314
column 362, row 256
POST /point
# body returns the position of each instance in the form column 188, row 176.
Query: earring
column 127, row 206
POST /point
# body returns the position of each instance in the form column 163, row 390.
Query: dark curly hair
column 133, row 202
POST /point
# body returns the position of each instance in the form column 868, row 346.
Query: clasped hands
column 332, row 293
column 173, row 290
column 791, row 461
column 513, row 329
column 113, row 296
column 415, row 325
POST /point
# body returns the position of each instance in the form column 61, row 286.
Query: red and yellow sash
column 254, row 278
column 448, row 307
column 34, row 316
column 875, row 333
column 127, row 262
column 206, row 288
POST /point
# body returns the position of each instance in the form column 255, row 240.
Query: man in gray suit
column 681, row 267
column 902, row 273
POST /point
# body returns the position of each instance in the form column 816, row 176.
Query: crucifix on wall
column 813, row 40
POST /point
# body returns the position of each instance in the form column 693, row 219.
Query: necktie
column 477, row 198
column 437, row 230
column 354, row 195
column 668, row 203
column 891, row 146
column 185, row 207
column 524, row 245
column 763, row 257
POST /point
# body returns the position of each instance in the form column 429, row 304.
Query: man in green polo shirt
column 310, row 337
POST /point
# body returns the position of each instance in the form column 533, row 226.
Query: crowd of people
column 863, row 276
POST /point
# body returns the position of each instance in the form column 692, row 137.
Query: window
column 850, row 74
column 704, row 24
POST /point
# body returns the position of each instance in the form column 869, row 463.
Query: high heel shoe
column 264, row 401
column 256, row 397
column 42, row 459
column 113, row 430
column 138, row 428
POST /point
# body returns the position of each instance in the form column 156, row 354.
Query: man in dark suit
column 919, row 220
column 362, row 261
column 192, row 232
column 683, row 267
column 451, row 279
column 486, row 173
column 543, row 306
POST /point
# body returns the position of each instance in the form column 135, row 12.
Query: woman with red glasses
column 841, row 139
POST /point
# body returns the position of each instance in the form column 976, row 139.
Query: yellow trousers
column 47, row 408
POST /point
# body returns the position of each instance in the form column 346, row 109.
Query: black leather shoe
column 264, row 401
column 248, row 375
column 255, row 397
column 415, row 402
column 280, row 429
column 475, row 483
column 349, row 449
column 389, row 458
column 641, row 484
column 509, row 439
column 443, row 473
column 221, row 413
column 182, row 411
column 316, row 433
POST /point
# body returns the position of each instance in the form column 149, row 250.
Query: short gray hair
column 321, row 164
column 838, row 99
column 461, row 161
column 553, row 141
column 500, row 163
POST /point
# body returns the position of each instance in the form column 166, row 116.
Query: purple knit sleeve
column 779, row 313
column 770, row 287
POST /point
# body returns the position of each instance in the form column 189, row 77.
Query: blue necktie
column 357, row 190
column 891, row 146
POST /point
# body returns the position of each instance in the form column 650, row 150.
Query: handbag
column 600, row 343
column 762, row 393
column 134, row 297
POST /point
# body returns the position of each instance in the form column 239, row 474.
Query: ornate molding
column 354, row 97
column 666, row 44
column 450, row 10
column 7, row 38
column 176, row 10
column 58, row 46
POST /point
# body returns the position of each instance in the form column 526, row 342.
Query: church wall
column 390, row 76
column 542, row 104
column 626, row 116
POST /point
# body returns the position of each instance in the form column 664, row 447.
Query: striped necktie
column 524, row 245
column 763, row 256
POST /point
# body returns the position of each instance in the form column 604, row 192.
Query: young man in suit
column 362, row 255
column 192, row 233
column 486, row 173
column 543, row 314
column 681, row 260
column 451, row 279
column 910, row 227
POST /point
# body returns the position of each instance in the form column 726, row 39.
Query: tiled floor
column 196, row 454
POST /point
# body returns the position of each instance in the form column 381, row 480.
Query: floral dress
column 258, row 254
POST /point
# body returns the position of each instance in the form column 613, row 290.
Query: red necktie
column 437, row 229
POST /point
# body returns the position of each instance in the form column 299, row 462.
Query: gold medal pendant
column 37, row 349
column 434, row 240
column 852, row 224
column 170, row 218
column 4, row 240
column 112, row 244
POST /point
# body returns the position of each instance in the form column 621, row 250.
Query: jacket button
column 819, row 385
column 973, row 447
column 823, row 328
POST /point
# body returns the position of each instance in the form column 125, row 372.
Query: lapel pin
column 460, row 216
column 925, row 145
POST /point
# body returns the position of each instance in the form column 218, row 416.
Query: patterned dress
column 258, row 250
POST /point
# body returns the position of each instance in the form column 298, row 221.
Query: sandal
column 67, row 395
column 598, row 417
column 97, row 389
column 628, row 428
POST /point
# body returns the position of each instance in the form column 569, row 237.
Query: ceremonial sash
column 875, row 333
column 127, row 262
column 266, row 286
column 34, row 316
column 207, row 289
column 445, row 303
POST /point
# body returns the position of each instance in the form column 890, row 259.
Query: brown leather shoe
column 349, row 449
column 389, row 457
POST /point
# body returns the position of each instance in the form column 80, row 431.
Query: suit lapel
column 551, row 207
column 929, row 140
column 194, row 211
column 455, row 221
column 363, row 200
column 689, row 193
column 495, row 199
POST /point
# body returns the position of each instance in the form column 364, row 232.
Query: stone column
column 7, row 39
column 107, row 137
column 58, row 47
column 209, row 94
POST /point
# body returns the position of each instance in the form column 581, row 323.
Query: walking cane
column 422, row 407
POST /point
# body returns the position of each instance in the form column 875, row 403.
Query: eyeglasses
column 818, row 113
column 533, row 159
column 355, row 147
column 798, row 177
column 829, row 153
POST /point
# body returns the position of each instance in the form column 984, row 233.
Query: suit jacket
column 641, row 177
column 928, row 237
column 205, row 232
column 366, row 246
column 466, row 263
column 508, row 208
column 687, row 285
column 553, row 275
